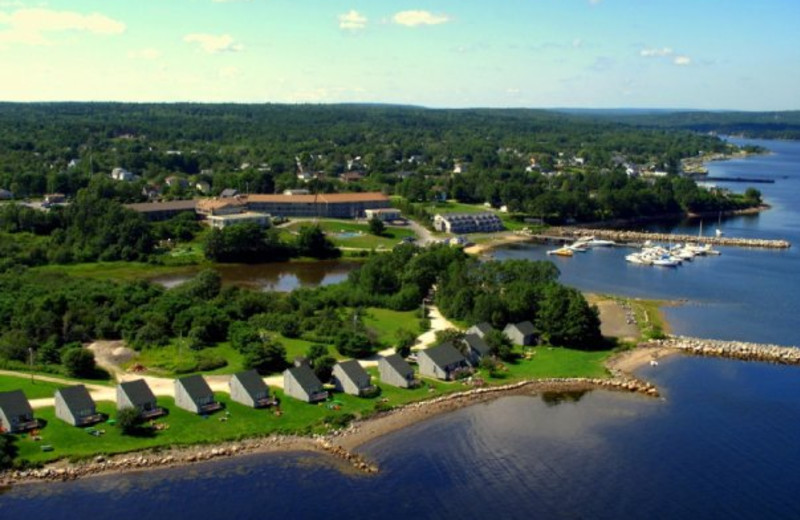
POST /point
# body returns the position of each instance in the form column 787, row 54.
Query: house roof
column 444, row 355
column 138, row 392
column 229, row 192
column 306, row 378
column 15, row 403
column 355, row 372
column 483, row 326
column 321, row 198
column 251, row 382
column 399, row 364
column 478, row 344
column 76, row 397
column 524, row 327
column 195, row 386
column 174, row 205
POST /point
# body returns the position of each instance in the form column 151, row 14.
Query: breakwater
column 730, row 349
column 642, row 236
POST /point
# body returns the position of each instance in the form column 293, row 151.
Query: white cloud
column 30, row 26
column 145, row 54
column 682, row 60
column 228, row 72
column 212, row 43
column 415, row 18
column 650, row 53
column 352, row 20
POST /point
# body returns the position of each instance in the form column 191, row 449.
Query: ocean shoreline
column 340, row 445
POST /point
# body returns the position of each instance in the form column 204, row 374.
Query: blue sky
column 710, row 54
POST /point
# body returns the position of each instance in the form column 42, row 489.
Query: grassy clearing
column 116, row 270
column 546, row 362
column 35, row 390
column 386, row 323
column 173, row 361
column 362, row 239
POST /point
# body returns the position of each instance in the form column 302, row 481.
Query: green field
column 546, row 362
column 172, row 360
column 116, row 270
column 35, row 390
column 364, row 240
column 386, row 323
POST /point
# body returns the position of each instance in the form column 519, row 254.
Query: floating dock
column 642, row 236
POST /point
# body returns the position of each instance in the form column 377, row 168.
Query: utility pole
column 30, row 362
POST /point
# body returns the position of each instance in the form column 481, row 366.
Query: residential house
column 75, row 406
column 477, row 348
column 481, row 329
column 16, row 414
column 250, row 389
column 151, row 192
column 137, row 394
column 228, row 193
column 351, row 378
column 306, row 176
column 522, row 333
column 485, row 222
column 442, row 362
column 6, row 195
column 349, row 177
column 395, row 371
column 121, row 174
column 301, row 383
column 193, row 393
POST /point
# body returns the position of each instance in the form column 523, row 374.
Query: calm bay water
column 745, row 294
column 724, row 443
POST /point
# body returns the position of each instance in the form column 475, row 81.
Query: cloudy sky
column 715, row 54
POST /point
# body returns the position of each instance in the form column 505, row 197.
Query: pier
column 565, row 234
column 730, row 349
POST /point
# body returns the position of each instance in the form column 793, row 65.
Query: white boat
column 579, row 247
column 595, row 242
column 666, row 261
column 638, row 258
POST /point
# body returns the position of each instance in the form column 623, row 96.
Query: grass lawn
column 185, row 428
column 361, row 238
column 116, row 270
column 559, row 362
column 386, row 323
column 170, row 361
column 33, row 390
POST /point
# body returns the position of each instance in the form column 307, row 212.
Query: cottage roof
column 478, row 344
column 306, row 378
column 355, row 372
column 399, row 365
column 483, row 326
column 138, row 392
column 444, row 355
column 251, row 382
column 229, row 192
column 76, row 397
column 15, row 403
column 195, row 386
column 524, row 327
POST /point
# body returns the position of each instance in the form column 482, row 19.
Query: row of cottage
column 75, row 406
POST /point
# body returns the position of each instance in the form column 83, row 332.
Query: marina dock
column 637, row 237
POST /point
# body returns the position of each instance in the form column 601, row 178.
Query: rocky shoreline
column 338, row 445
column 730, row 349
